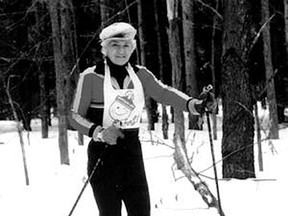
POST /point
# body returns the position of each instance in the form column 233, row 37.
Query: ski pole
column 214, row 164
column 87, row 181
column 204, row 94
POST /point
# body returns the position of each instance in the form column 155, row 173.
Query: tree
column 161, row 54
column 148, row 51
column 178, row 71
column 216, row 49
column 238, row 120
column 189, row 53
column 286, row 26
column 271, row 95
column 17, row 56
column 64, row 44
column 175, row 48
column 42, row 52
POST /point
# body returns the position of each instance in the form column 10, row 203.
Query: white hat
column 118, row 30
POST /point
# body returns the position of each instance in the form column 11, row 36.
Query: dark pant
column 120, row 176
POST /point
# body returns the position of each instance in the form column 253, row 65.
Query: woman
column 107, row 107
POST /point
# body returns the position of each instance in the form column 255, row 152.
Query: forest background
column 238, row 47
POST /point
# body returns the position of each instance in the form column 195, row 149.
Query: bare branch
column 211, row 8
column 259, row 33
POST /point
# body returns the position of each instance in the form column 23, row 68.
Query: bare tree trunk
column 61, row 78
column 238, row 119
column 258, row 133
column 271, row 95
column 189, row 53
column 165, row 124
column 41, row 52
column 286, row 26
column 177, row 82
column 43, row 102
column 146, row 59
column 65, row 52
column 215, row 61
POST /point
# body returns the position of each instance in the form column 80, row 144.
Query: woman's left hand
column 111, row 134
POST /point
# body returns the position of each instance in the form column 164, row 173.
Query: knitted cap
column 118, row 30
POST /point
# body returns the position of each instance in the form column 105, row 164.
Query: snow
column 53, row 188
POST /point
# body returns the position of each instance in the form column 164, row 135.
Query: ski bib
column 123, row 106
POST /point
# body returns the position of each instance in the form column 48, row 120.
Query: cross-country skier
column 107, row 107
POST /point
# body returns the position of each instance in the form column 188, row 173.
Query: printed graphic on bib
column 122, row 107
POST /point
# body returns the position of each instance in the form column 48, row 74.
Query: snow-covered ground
column 54, row 188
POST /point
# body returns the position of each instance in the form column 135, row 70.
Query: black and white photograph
column 143, row 107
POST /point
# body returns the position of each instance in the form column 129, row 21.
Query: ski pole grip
column 205, row 92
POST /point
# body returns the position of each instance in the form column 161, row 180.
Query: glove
column 195, row 106
column 205, row 102
column 210, row 103
column 108, row 135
